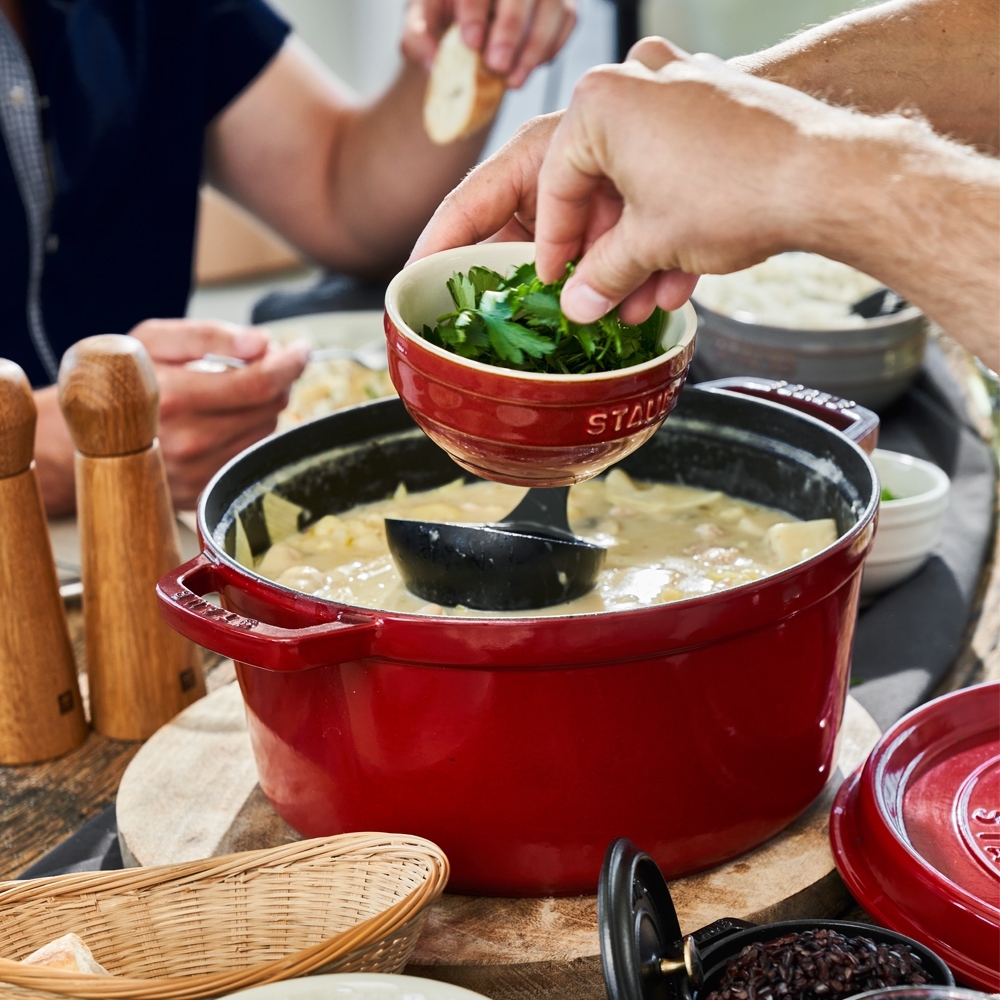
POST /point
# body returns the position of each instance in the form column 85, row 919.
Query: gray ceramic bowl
column 873, row 364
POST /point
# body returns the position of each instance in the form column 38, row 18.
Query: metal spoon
column 530, row 559
column 370, row 355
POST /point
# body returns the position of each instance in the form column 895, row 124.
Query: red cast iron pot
column 524, row 745
column 517, row 427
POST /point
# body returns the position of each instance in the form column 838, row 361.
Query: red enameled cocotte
column 520, row 427
column 524, row 745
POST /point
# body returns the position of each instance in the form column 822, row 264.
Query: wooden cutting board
column 191, row 792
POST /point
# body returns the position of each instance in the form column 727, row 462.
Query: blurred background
column 238, row 261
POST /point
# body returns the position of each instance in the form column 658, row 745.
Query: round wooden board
column 191, row 792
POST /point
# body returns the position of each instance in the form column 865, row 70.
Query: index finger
column 261, row 383
column 568, row 180
column 479, row 207
column 176, row 341
column 507, row 33
column 473, row 17
column 492, row 194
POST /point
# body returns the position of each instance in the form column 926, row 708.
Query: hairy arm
column 766, row 169
column 937, row 57
column 923, row 215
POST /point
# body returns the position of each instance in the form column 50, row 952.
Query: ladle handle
column 855, row 422
column 248, row 640
column 544, row 506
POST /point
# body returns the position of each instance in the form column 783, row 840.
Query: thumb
column 606, row 274
column 418, row 43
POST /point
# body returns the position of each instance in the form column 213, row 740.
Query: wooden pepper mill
column 141, row 672
column 41, row 715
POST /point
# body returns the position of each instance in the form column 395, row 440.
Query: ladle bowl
column 531, row 559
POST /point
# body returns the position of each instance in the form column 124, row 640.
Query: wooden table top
column 43, row 804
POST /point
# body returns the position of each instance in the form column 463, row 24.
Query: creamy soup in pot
column 664, row 543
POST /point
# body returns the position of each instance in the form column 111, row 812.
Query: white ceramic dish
column 335, row 329
column 908, row 527
column 358, row 986
column 328, row 385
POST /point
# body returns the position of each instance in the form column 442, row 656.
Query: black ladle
column 530, row 559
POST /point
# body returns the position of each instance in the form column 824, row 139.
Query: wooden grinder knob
column 17, row 420
column 109, row 396
column 141, row 672
column 41, row 715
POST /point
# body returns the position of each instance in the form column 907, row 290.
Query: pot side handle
column 248, row 640
column 853, row 421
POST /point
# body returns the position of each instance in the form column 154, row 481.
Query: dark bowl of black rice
column 812, row 960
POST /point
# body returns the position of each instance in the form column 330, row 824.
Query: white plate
column 336, row 329
column 358, row 986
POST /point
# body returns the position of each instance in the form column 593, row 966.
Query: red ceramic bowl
column 524, row 745
column 517, row 427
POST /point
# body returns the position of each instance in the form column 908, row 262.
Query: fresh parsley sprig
column 517, row 323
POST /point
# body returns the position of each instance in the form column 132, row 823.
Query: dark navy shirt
column 127, row 88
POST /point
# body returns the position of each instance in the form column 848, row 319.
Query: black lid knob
column 642, row 953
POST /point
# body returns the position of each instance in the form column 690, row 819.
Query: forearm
column 388, row 177
column 939, row 57
column 54, row 455
column 922, row 215
column 351, row 185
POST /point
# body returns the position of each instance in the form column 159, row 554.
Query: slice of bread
column 69, row 953
column 462, row 94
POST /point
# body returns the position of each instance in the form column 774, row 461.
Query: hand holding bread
column 462, row 94
column 474, row 49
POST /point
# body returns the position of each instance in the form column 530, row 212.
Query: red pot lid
column 916, row 831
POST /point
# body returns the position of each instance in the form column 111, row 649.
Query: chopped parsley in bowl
column 517, row 323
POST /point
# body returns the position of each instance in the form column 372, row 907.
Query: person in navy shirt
column 114, row 112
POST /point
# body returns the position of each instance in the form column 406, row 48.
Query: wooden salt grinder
column 141, row 672
column 41, row 715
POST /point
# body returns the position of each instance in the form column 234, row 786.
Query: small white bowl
column 908, row 527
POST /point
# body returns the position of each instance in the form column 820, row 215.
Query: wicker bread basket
column 353, row 903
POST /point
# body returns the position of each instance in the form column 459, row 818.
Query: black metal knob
column 642, row 952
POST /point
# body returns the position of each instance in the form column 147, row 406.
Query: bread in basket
column 351, row 903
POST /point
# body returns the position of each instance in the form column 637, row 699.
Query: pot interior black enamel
column 750, row 449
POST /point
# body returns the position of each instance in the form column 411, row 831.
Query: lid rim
column 880, row 866
column 968, row 969
column 887, row 817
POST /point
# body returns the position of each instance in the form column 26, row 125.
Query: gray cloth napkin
column 908, row 638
